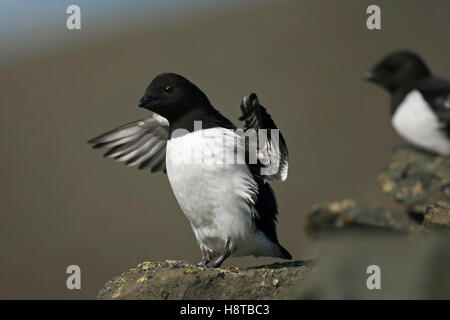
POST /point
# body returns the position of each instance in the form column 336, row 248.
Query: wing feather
column 140, row 142
column 272, row 152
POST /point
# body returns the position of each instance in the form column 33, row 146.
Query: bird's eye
column 168, row 89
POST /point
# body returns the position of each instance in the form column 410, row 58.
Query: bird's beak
column 146, row 101
column 370, row 76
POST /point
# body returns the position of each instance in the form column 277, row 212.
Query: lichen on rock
column 437, row 216
column 416, row 178
column 173, row 279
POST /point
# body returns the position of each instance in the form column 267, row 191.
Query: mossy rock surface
column 437, row 217
column 416, row 178
column 173, row 279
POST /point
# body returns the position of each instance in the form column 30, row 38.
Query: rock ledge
column 173, row 279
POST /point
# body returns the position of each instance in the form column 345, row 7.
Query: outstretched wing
column 140, row 143
column 271, row 149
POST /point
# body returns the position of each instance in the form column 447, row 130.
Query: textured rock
column 348, row 215
column 437, row 216
column 173, row 279
column 416, row 178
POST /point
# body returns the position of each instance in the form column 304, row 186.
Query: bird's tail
column 284, row 253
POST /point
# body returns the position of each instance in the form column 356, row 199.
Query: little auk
column 219, row 174
column 420, row 102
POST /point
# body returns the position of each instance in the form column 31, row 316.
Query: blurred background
column 63, row 204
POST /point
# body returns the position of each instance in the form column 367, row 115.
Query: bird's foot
column 220, row 260
column 203, row 263
column 224, row 256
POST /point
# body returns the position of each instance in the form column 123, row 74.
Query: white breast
column 215, row 193
column 416, row 122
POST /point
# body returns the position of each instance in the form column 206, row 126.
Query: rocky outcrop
column 417, row 179
column 412, row 267
column 173, row 279
column 348, row 215
column 437, row 216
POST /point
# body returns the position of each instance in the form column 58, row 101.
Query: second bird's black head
column 171, row 96
column 401, row 69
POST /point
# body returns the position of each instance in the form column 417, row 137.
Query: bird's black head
column 171, row 96
column 397, row 70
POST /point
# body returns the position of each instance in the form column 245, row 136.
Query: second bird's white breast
column 416, row 122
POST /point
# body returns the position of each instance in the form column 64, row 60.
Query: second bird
column 420, row 102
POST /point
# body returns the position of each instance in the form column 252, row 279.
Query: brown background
column 63, row 204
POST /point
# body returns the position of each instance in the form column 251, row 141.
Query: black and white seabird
column 420, row 102
column 229, row 204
